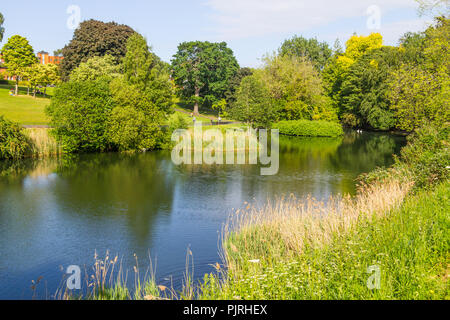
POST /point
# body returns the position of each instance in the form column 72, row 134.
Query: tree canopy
column 18, row 55
column 95, row 68
column 202, row 70
column 318, row 52
column 95, row 38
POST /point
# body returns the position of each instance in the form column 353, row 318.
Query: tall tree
column 202, row 71
column 95, row 38
column 2, row 29
column 18, row 55
column 365, row 101
column 318, row 52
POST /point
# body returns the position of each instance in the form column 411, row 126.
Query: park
column 322, row 173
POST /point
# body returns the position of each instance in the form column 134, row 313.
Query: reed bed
column 42, row 143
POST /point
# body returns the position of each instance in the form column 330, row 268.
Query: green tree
column 318, row 52
column 79, row 112
column 95, row 68
column 202, row 71
column 420, row 93
column 365, row 101
column 94, row 38
column 335, row 72
column 18, row 55
column 2, row 29
column 143, row 98
column 233, row 85
column 254, row 104
column 296, row 86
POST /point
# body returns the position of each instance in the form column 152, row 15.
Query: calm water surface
column 59, row 212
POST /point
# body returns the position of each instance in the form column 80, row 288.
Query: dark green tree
column 366, row 87
column 95, row 38
column 202, row 71
column 234, row 83
column 318, row 52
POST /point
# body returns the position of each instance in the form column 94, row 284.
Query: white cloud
column 237, row 19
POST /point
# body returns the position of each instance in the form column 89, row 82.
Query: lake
column 59, row 212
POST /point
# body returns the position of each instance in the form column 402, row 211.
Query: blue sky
column 251, row 28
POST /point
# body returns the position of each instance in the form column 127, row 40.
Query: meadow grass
column 23, row 109
column 311, row 250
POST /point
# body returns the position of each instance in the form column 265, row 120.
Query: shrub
column 79, row 112
column 427, row 155
column 131, row 130
column 14, row 144
column 309, row 128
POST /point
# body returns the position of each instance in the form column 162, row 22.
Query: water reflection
column 57, row 212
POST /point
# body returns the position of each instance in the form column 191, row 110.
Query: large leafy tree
column 365, row 101
column 95, row 38
column 318, row 52
column 234, row 83
column 202, row 70
column 18, row 55
column 254, row 104
column 143, row 98
column 2, row 30
column 335, row 73
column 296, row 86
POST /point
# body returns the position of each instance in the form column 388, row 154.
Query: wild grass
column 311, row 250
column 42, row 143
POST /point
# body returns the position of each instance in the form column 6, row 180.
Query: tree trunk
column 17, row 85
column 34, row 93
column 28, row 90
column 197, row 95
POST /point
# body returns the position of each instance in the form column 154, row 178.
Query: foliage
column 317, row 52
column 254, row 104
column 234, row 83
column 364, row 92
column 41, row 75
column 335, row 73
column 420, row 93
column 18, row 55
column 79, row 112
column 201, row 71
column 2, row 29
column 427, row 155
column 94, row 38
column 296, row 86
column 309, row 128
column 95, row 68
column 14, row 144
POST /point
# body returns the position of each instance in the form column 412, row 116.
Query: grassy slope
column 410, row 245
column 23, row 109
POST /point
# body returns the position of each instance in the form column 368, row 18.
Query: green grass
column 410, row 245
column 23, row 109
column 309, row 128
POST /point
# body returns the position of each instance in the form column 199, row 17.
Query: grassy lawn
column 23, row 109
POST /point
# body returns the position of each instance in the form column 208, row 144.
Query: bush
column 131, row 130
column 79, row 112
column 309, row 128
column 427, row 155
column 14, row 144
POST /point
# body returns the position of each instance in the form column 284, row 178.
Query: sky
column 251, row 28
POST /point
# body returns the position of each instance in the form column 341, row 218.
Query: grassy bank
column 23, row 109
column 307, row 128
column 287, row 252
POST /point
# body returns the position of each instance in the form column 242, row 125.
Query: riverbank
column 297, row 256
